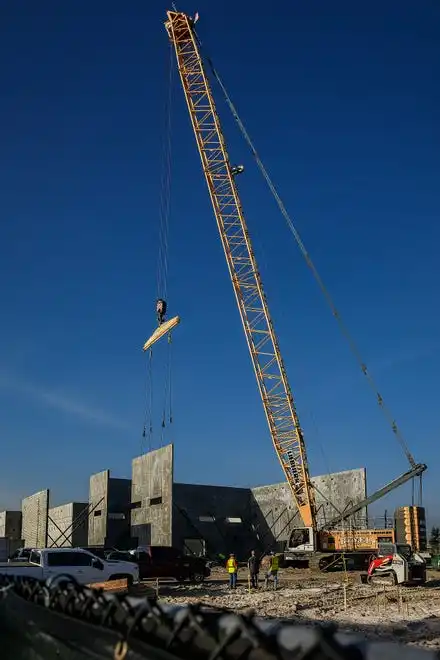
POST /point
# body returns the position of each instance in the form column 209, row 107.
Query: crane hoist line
column 278, row 402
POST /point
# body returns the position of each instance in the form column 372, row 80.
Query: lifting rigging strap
column 148, row 420
column 342, row 326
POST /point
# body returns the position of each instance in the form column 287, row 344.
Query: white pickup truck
column 82, row 565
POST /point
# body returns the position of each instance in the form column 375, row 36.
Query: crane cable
column 343, row 328
column 165, row 192
column 162, row 258
column 167, row 413
column 166, row 206
column 148, row 419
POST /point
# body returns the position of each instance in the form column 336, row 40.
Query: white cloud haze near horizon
column 60, row 401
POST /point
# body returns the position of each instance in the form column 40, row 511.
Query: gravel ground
column 411, row 615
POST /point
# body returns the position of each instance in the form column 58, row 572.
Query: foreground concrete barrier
column 112, row 585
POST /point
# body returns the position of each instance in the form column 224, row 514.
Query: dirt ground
column 411, row 615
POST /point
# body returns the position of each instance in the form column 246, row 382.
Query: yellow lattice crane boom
column 220, row 174
column 324, row 544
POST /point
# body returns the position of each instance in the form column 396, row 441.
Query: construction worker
column 232, row 568
column 274, row 564
column 254, row 568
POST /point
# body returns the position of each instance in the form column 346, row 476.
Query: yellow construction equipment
column 273, row 384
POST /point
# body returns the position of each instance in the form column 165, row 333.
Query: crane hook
column 161, row 310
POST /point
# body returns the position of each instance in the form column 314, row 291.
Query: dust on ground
column 410, row 614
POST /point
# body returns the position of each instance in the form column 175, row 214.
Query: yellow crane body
column 263, row 344
column 275, row 391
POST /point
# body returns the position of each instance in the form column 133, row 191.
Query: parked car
column 80, row 564
column 157, row 561
column 21, row 554
column 97, row 551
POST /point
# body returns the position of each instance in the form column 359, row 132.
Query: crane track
column 41, row 621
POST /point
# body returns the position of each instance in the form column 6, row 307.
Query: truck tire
column 122, row 576
column 62, row 580
column 197, row 577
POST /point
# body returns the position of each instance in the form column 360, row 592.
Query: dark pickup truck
column 157, row 561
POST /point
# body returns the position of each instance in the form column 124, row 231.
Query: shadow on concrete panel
column 109, row 511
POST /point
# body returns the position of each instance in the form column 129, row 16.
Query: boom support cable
column 165, row 192
column 167, row 416
column 335, row 312
column 148, row 420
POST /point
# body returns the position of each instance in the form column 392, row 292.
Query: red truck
column 156, row 561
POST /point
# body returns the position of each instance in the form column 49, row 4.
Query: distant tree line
column 434, row 540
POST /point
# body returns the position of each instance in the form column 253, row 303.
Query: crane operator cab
column 301, row 542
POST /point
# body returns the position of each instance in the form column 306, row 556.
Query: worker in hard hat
column 232, row 568
column 254, row 568
column 274, row 564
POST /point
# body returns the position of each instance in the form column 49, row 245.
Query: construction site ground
column 410, row 614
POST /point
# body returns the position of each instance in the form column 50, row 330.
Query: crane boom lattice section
column 271, row 376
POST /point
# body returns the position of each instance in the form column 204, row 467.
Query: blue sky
column 343, row 102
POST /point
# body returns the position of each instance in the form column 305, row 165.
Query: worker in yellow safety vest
column 274, row 564
column 232, row 568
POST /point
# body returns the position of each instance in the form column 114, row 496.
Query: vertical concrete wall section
column 274, row 513
column 338, row 491
column 109, row 511
column 35, row 510
column 218, row 515
column 119, row 513
column 98, row 501
column 151, row 497
column 10, row 525
column 68, row 525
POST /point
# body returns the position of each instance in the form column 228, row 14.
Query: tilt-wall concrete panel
column 274, row 512
column 35, row 510
column 220, row 516
column 152, row 497
column 68, row 525
column 212, row 519
column 98, row 501
column 10, row 525
column 109, row 511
